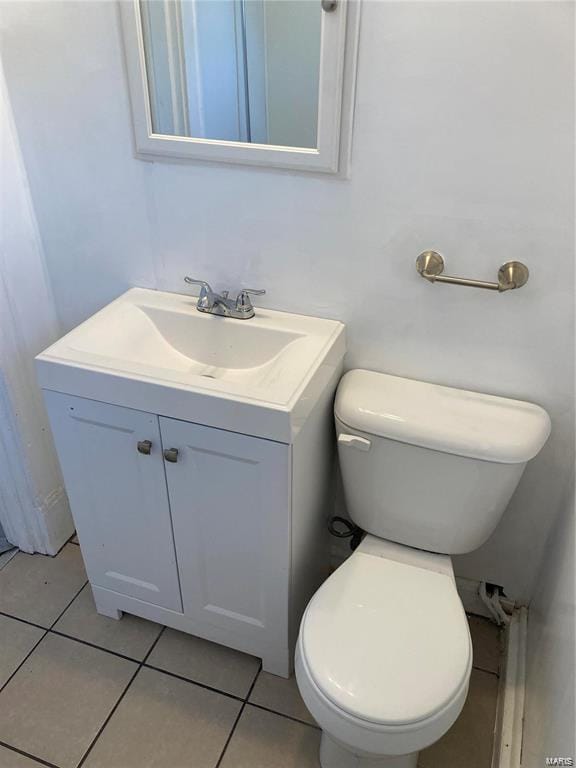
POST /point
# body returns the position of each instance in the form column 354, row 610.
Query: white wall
column 33, row 506
column 462, row 142
column 549, row 717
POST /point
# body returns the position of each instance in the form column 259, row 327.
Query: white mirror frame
column 338, row 55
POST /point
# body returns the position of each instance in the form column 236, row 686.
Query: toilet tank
column 429, row 466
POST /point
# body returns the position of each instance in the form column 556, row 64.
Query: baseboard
column 510, row 713
column 58, row 524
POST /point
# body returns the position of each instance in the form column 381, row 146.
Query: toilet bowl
column 384, row 656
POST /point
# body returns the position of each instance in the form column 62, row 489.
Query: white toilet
column 384, row 655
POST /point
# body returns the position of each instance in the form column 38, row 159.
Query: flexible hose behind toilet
column 493, row 604
column 350, row 531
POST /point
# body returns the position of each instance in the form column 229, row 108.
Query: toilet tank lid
column 446, row 419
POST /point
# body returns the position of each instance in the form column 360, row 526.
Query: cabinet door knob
column 171, row 454
column 144, row 446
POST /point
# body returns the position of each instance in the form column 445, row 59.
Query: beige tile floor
column 78, row 689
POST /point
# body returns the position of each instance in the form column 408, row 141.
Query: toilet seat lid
column 386, row 641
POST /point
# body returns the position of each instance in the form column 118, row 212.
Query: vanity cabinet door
column 117, row 490
column 230, row 501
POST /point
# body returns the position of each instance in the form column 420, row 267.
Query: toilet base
column 333, row 755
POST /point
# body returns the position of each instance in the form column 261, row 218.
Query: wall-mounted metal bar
column 513, row 274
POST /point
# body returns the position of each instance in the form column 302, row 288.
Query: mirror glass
column 234, row 70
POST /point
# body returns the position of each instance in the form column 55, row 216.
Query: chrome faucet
column 221, row 304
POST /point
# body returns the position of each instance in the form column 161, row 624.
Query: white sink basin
column 216, row 348
column 154, row 351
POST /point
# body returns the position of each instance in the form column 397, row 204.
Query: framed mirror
column 261, row 82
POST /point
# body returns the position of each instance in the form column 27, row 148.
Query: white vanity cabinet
column 181, row 523
column 198, row 455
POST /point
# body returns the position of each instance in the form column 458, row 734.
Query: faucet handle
column 205, row 286
column 206, row 291
column 243, row 303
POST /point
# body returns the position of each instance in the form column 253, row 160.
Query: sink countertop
column 153, row 351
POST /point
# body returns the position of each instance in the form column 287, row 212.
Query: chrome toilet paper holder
column 513, row 274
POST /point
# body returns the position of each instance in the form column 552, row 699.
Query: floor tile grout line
column 57, row 632
column 57, row 619
column 117, row 704
column 269, row 709
column 238, row 716
column 24, row 621
column 36, row 759
column 165, row 671
column 4, row 561
column 108, row 718
column 31, row 651
column 245, row 700
column 142, row 664
column 94, row 645
column 283, row 714
column 45, row 630
column 154, row 644
column 232, row 731
column 24, row 660
column 194, row 682
column 253, row 684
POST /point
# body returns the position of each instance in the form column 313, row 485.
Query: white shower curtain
column 34, row 512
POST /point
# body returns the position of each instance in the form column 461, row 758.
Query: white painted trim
column 167, row 37
column 510, row 714
column 242, row 95
column 349, row 88
column 177, row 66
column 195, row 91
column 338, row 52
